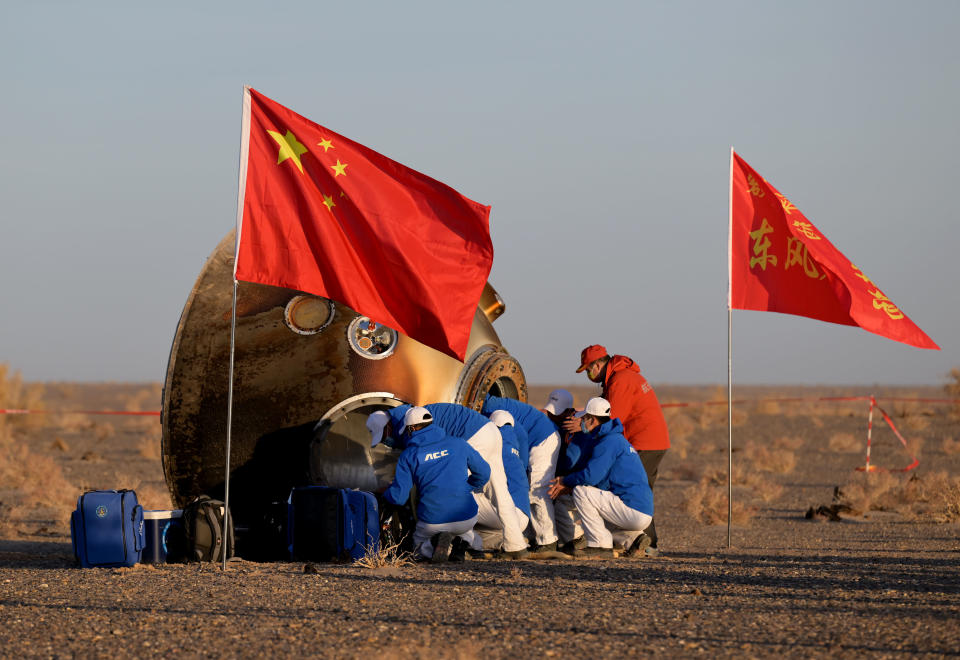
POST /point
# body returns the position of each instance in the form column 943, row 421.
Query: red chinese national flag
column 323, row 214
column 780, row 262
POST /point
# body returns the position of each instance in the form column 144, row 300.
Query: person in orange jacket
column 634, row 402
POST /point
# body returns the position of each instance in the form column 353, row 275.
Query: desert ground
column 873, row 571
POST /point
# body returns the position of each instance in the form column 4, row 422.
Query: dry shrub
column 950, row 446
column 788, row 442
column 916, row 423
column 845, row 442
column 767, row 459
column 915, row 445
column 681, row 427
column 73, row 422
column 953, row 389
column 143, row 399
column 34, row 481
column 933, row 497
column 707, row 503
column 15, row 394
column 769, row 408
column 149, row 446
column 103, row 430
column 816, row 421
column 385, row 556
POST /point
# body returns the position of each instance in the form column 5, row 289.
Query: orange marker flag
column 780, row 262
column 323, row 214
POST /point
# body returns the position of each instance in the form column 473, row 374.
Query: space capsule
column 307, row 372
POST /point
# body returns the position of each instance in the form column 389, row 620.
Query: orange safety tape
column 13, row 411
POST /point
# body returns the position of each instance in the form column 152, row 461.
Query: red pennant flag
column 780, row 262
column 323, row 214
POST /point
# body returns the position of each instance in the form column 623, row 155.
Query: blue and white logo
column 101, row 511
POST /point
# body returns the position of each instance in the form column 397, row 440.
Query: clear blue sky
column 599, row 133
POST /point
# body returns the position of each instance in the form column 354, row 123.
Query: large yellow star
column 339, row 169
column 326, row 144
column 328, row 202
column 289, row 148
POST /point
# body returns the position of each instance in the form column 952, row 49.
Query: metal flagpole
column 241, row 190
column 730, row 358
column 729, row 422
column 226, row 479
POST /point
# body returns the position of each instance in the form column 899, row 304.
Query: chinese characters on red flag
column 780, row 262
column 325, row 215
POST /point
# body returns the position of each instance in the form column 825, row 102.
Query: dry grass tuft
column 767, row 459
column 73, row 422
column 385, row 556
column 103, row 430
column 149, row 446
column 707, row 503
column 788, row 442
column 515, row 573
column 932, row 497
column 154, row 496
column 59, row 445
column 950, row 446
column 769, row 408
column 845, row 442
column 681, row 427
column 953, row 389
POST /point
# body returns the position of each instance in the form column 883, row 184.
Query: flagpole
column 729, row 422
column 241, row 191
column 226, row 479
column 730, row 359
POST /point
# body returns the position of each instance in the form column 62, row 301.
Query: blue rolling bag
column 107, row 528
column 331, row 524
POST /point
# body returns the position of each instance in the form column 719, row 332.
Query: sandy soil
column 879, row 583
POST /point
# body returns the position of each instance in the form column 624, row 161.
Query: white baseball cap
column 558, row 401
column 376, row 421
column 416, row 415
column 597, row 406
column 502, row 418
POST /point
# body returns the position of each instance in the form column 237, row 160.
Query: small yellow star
column 289, row 148
column 339, row 169
column 326, row 144
column 328, row 202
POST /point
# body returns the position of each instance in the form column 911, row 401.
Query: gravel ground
column 879, row 585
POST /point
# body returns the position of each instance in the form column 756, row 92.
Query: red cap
column 589, row 354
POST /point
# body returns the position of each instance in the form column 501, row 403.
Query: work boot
column 458, row 550
column 593, row 552
column 442, row 545
column 480, row 554
column 639, row 546
column 513, row 554
column 650, row 551
column 570, row 547
column 546, row 547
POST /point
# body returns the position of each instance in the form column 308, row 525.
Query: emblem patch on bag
column 101, row 511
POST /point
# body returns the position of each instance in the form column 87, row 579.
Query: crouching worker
column 611, row 490
column 446, row 472
column 515, row 465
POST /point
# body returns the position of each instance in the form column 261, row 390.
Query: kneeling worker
column 610, row 489
column 446, row 472
column 480, row 433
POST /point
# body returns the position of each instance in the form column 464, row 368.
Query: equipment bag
column 206, row 539
column 107, row 528
column 330, row 524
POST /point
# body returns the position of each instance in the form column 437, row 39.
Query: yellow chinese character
column 884, row 303
column 806, row 229
column 797, row 254
column 760, row 246
column 860, row 274
column 785, row 203
column 755, row 189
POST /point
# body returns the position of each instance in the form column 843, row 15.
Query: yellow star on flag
column 339, row 169
column 328, row 202
column 326, row 144
column 289, row 148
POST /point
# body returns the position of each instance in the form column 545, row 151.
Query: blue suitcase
column 331, row 524
column 107, row 528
